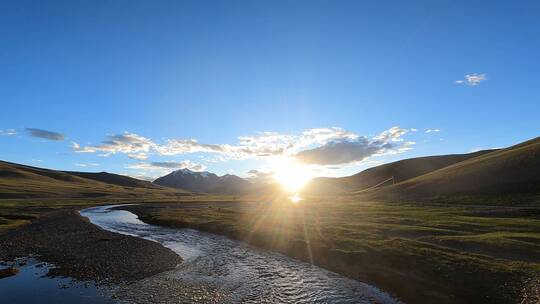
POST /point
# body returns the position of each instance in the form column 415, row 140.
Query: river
column 217, row 269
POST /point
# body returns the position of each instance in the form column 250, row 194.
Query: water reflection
column 31, row 286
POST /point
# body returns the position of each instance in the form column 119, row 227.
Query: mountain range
column 21, row 181
column 205, row 182
column 513, row 170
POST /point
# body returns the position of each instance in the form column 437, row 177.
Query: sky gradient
column 145, row 87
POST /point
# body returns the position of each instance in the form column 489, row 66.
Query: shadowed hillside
column 514, row 170
column 115, row 179
column 205, row 182
column 20, row 181
column 388, row 174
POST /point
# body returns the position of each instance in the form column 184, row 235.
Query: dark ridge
column 115, row 179
column 514, row 170
column 390, row 173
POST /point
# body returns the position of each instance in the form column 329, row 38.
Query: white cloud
column 8, row 132
column 264, row 144
column 472, row 79
column 432, row 130
column 358, row 149
column 344, row 146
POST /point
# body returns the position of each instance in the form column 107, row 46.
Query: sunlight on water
column 216, row 269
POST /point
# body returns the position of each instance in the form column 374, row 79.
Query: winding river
column 220, row 270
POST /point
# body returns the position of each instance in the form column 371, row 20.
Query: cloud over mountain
column 357, row 149
column 186, row 164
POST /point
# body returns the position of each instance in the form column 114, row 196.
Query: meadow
column 420, row 252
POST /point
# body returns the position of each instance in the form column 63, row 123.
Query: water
column 220, row 270
column 31, row 286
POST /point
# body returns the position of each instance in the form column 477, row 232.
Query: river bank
column 217, row 269
column 84, row 251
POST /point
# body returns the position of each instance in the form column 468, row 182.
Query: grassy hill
column 510, row 171
column 388, row 174
column 21, row 181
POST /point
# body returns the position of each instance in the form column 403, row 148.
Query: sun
column 295, row 198
column 291, row 175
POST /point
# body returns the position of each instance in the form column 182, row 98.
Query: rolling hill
column 514, row 170
column 21, row 181
column 115, row 179
column 387, row 174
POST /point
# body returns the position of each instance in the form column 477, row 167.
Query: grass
column 15, row 213
column 429, row 253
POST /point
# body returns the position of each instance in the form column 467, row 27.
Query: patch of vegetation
column 423, row 253
column 8, row 272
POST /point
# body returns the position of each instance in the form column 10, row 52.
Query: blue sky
column 159, row 73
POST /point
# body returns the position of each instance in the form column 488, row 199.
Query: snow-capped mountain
column 205, row 182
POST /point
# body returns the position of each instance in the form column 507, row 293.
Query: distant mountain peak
column 194, row 173
column 183, row 171
column 204, row 182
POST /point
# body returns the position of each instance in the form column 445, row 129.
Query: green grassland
column 423, row 253
column 420, row 252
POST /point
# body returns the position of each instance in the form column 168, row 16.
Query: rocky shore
column 84, row 251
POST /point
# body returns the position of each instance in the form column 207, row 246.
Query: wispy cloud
column 133, row 145
column 433, row 130
column 8, row 132
column 86, row 165
column 40, row 133
column 472, row 79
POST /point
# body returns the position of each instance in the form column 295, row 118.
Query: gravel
column 84, row 251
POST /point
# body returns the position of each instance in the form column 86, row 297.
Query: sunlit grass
column 396, row 245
